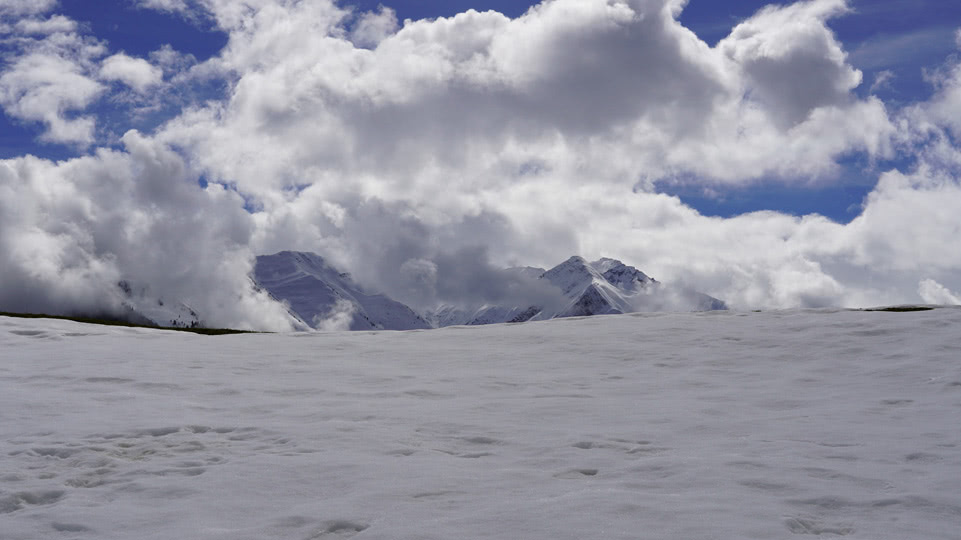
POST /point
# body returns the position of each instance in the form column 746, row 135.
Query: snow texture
column 657, row 426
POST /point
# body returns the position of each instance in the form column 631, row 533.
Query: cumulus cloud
column 50, row 78
column 72, row 230
column 20, row 8
column 43, row 87
column 52, row 25
column 164, row 5
column 468, row 119
column 791, row 61
column 425, row 157
column 562, row 89
column 932, row 292
column 373, row 27
column 136, row 73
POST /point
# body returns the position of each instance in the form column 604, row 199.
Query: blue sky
column 810, row 158
column 903, row 38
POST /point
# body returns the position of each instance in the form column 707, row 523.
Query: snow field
column 674, row 426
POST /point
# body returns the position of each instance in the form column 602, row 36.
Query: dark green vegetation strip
column 902, row 309
column 116, row 322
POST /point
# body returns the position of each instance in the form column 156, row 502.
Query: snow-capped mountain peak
column 605, row 286
column 325, row 298
column 572, row 276
column 622, row 276
column 604, row 264
column 587, row 290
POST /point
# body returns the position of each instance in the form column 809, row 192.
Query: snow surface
column 676, row 426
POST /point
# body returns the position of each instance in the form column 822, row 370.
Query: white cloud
column 53, row 73
column 452, row 92
column 49, row 77
column 450, row 129
column 339, row 318
column 172, row 61
column 70, row 231
column 196, row 12
column 791, row 61
column 20, row 8
column 45, row 87
column 932, row 292
column 52, row 25
column 944, row 108
column 455, row 145
column 882, row 80
column 136, row 73
column 164, row 5
column 373, row 27
column 906, row 49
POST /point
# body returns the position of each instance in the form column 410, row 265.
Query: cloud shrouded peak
column 424, row 156
column 73, row 230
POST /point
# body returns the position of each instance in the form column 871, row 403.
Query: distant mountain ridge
column 320, row 296
column 605, row 286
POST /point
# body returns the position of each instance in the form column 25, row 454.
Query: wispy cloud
column 900, row 50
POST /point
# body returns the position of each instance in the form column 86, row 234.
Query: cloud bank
column 422, row 156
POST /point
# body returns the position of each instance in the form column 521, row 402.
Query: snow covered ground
column 656, row 426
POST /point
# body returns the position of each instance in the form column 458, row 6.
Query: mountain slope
column 324, row 298
column 588, row 291
column 142, row 307
column 605, row 286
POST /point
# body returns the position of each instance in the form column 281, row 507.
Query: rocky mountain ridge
column 321, row 297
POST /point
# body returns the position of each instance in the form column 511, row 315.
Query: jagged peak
column 317, row 291
column 297, row 257
column 605, row 263
column 294, row 263
column 572, row 275
column 575, row 260
column 575, row 263
column 627, row 277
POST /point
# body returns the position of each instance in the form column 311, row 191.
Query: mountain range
column 319, row 296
